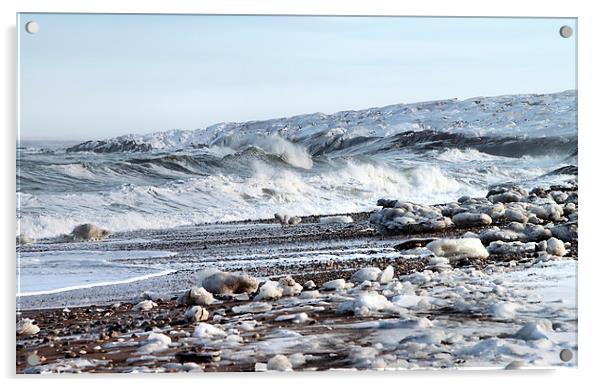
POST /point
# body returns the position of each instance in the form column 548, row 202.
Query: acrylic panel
column 306, row 193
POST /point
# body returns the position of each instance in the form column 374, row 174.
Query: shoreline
column 432, row 312
column 310, row 231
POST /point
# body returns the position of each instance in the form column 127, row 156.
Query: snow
column 207, row 330
column 458, row 248
column 482, row 116
column 367, row 303
column 155, row 342
column 535, row 330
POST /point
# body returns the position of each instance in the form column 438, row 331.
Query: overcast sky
column 97, row 76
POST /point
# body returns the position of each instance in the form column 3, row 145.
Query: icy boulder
column 196, row 313
column 196, row 296
column 285, row 287
column 495, row 234
column 455, row 249
column 26, row 328
column 467, row 219
column 336, row 219
column 269, row 291
column 566, row 232
column 155, row 342
column 229, row 283
column 504, row 194
column 504, row 248
column 366, row 274
column 535, row 330
column 279, row 363
column 87, row 232
column 145, row 305
column 336, row 284
column 289, row 286
column 366, row 304
column 204, row 330
column 409, row 218
column 555, row 247
column 373, row 274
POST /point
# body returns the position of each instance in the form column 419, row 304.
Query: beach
column 516, row 309
column 439, row 234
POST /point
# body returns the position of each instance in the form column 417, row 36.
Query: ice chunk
column 145, row 305
column 366, row 303
column 556, row 247
column 454, row 249
column 279, row 363
column 336, row 219
column 366, row 274
column 207, row 330
column 26, row 327
column 534, row 330
column 336, row 284
column 269, row 291
column 155, row 342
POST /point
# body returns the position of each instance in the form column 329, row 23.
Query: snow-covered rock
column 367, row 303
column 534, row 330
column 467, row 219
column 26, row 328
column 196, row 313
column 205, row 330
column 155, row 342
column 336, row 284
column 229, row 283
column 366, row 274
column 279, row 363
column 145, row 305
column 454, row 249
column 196, row 296
column 320, row 132
column 555, row 247
column 270, row 290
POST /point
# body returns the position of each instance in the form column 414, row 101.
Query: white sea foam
column 236, row 171
column 294, row 154
column 462, row 155
column 350, row 187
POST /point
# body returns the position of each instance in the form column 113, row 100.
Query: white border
column 589, row 163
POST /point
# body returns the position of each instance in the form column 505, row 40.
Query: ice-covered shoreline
column 382, row 292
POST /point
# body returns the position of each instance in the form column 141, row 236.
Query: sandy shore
column 434, row 313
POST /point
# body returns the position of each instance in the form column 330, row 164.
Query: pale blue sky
column 96, row 76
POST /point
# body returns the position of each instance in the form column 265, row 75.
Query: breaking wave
column 314, row 164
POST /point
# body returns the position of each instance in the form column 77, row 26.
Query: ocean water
column 58, row 271
column 313, row 164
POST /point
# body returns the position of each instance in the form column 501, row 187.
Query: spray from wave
column 349, row 186
column 313, row 164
